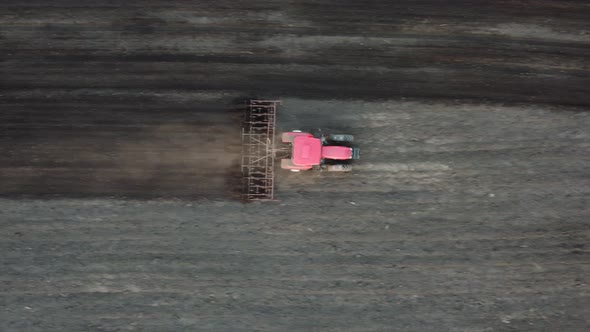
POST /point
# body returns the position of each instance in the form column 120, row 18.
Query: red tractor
column 332, row 153
column 259, row 154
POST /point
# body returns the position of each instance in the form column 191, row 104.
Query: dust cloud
column 173, row 160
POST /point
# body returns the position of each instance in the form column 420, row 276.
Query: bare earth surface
column 469, row 210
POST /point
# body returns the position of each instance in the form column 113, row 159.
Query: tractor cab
column 307, row 151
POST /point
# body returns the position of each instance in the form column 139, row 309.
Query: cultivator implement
column 258, row 141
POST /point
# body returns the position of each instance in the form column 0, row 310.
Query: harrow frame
column 258, row 150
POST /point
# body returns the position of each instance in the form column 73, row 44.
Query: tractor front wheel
column 339, row 168
column 341, row 138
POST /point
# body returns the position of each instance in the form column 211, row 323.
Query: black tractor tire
column 339, row 168
column 341, row 138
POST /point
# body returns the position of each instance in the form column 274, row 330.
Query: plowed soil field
column 468, row 211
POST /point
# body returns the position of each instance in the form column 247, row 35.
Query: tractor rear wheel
column 339, row 168
column 341, row 138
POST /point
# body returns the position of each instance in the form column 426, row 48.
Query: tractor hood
column 337, row 152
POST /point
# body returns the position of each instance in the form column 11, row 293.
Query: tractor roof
column 307, row 150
